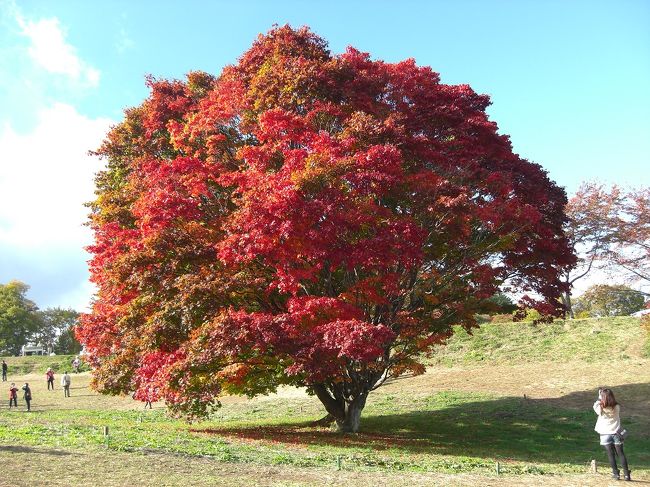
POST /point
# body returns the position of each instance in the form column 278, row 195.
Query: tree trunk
column 352, row 418
column 347, row 414
column 566, row 300
column 566, row 295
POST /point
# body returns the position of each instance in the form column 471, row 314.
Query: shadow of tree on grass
column 30, row 450
column 555, row 430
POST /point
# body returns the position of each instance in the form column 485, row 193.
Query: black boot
column 611, row 456
column 621, row 456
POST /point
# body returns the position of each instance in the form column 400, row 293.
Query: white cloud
column 46, row 175
column 78, row 298
column 45, row 178
column 49, row 50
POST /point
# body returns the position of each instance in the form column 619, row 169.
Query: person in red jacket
column 49, row 375
column 13, row 395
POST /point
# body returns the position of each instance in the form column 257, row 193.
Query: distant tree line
column 608, row 300
column 22, row 323
column 598, row 301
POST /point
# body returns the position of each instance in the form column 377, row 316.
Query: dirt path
column 572, row 384
column 24, row 466
column 82, row 397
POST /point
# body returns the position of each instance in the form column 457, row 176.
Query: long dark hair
column 607, row 398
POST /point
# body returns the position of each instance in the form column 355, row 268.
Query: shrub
column 501, row 318
column 532, row 315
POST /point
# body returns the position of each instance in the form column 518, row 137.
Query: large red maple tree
column 309, row 219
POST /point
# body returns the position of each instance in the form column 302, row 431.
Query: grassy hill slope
column 35, row 364
column 586, row 340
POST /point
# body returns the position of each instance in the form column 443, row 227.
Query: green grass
column 409, row 426
column 441, row 432
column 35, row 364
column 645, row 325
column 587, row 340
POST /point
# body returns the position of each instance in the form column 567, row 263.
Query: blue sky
column 568, row 79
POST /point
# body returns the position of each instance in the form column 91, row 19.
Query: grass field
column 584, row 340
column 35, row 364
column 447, row 427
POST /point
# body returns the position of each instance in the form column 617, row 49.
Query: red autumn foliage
column 310, row 219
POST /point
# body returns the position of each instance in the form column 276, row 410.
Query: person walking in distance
column 27, row 395
column 4, row 370
column 75, row 364
column 13, row 395
column 608, row 426
column 49, row 375
column 66, row 380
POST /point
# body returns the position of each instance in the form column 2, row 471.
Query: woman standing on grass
column 607, row 426
column 27, row 396
column 49, row 375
